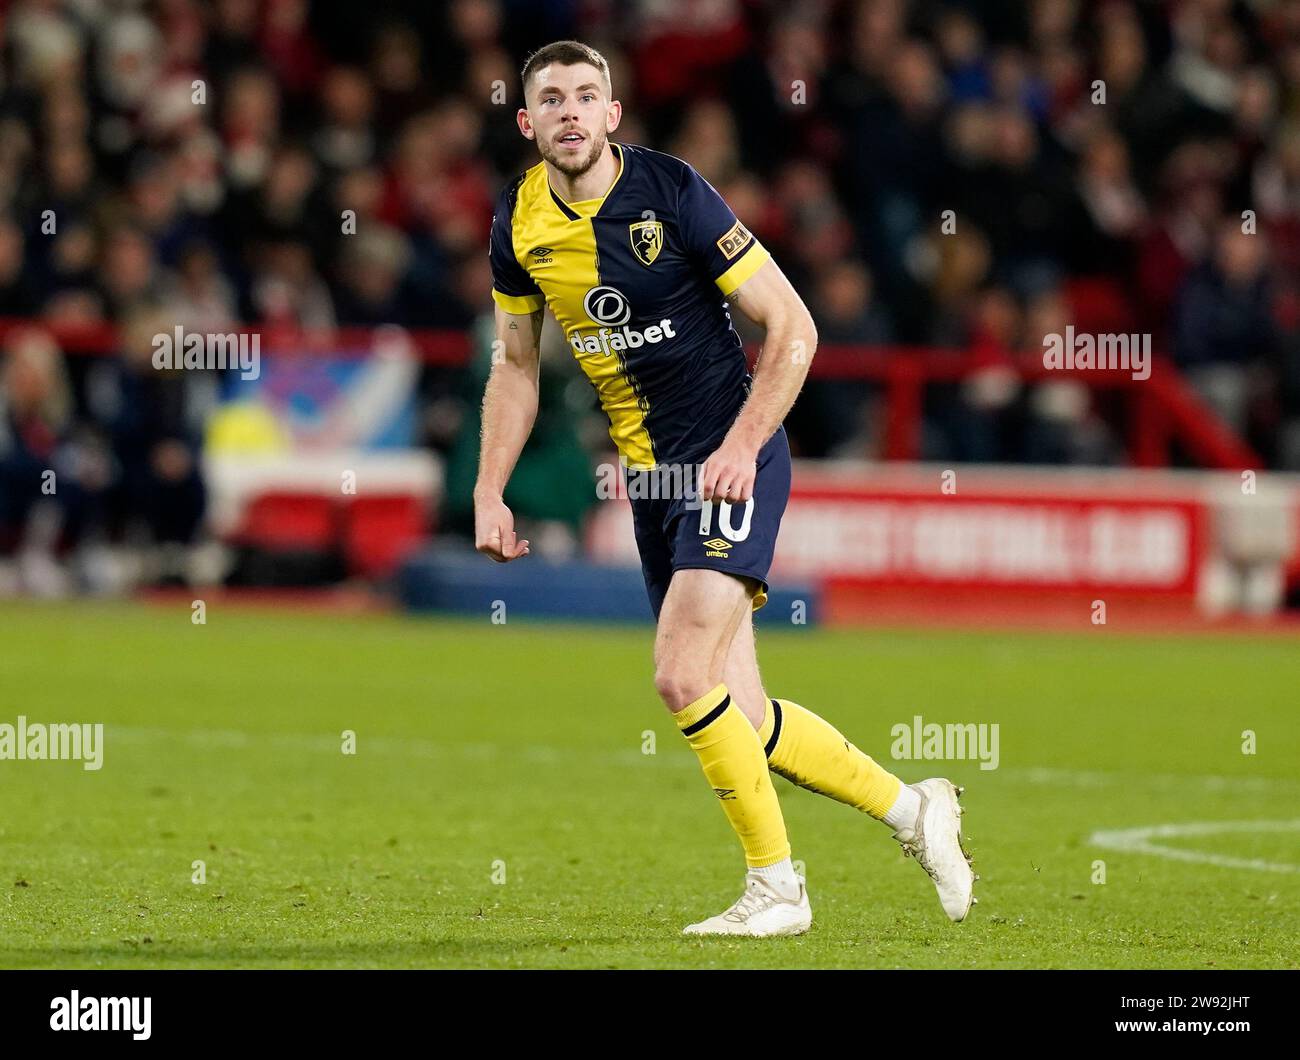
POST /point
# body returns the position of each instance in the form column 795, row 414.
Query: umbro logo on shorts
column 715, row 546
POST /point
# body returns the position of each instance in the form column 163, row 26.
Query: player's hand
column 494, row 530
column 728, row 475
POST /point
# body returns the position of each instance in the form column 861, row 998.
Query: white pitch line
column 1086, row 778
column 549, row 754
column 406, row 746
column 1137, row 841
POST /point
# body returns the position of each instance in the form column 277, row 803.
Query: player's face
column 569, row 115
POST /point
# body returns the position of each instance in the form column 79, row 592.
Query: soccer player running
column 639, row 258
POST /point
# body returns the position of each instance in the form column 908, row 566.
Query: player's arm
column 769, row 300
column 509, row 411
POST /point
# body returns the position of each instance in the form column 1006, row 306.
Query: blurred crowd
column 964, row 175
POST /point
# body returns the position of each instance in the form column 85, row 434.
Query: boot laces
column 755, row 899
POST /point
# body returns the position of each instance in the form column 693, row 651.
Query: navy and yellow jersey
column 638, row 281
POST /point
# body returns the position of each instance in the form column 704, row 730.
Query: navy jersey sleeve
column 723, row 247
column 512, row 288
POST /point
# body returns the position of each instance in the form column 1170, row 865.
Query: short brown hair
column 566, row 53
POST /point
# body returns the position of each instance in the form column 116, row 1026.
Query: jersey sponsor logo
column 542, row 255
column 734, row 241
column 608, row 306
column 647, row 240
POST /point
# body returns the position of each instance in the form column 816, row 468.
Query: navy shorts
column 677, row 531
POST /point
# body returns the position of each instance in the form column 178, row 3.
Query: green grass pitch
column 500, row 810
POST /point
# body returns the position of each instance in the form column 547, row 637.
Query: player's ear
column 613, row 115
column 525, row 124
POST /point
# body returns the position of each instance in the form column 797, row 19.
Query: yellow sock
column 812, row 753
column 733, row 761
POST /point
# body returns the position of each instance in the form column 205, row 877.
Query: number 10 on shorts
column 724, row 520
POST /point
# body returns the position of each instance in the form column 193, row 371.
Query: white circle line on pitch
column 1139, row 841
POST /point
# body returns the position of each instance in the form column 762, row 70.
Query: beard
column 574, row 166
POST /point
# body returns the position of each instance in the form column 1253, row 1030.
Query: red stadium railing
column 448, row 348
column 1162, row 409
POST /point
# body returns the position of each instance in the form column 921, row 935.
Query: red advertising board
column 991, row 530
column 892, row 537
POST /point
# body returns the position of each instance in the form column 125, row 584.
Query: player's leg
column 699, row 616
column 807, row 750
column 700, row 613
column 741, row 671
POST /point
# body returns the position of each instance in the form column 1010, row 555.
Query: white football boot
column 935, row 842
column 760, row 913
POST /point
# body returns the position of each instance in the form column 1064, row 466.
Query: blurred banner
column 323, row 402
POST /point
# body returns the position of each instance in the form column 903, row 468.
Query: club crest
column 647, row 240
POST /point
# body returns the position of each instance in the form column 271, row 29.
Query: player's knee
column 678, row 686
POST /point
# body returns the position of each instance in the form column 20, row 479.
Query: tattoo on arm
column 534, row 321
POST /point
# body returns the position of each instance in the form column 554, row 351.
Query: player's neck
column 593, row 184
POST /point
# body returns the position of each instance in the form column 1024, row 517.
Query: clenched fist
column 494, row 530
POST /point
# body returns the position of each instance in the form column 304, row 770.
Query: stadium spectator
column 1224, row 326
column 835, row 417
column 17, row 297
column 153, row 422
column 47, row 483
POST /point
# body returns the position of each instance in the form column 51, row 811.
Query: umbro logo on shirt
column 542, row 255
